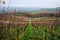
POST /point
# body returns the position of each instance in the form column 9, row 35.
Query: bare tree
column 3, row 2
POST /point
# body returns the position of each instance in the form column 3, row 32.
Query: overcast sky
column 34, row 3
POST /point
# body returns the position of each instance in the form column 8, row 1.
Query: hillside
column 30, row 9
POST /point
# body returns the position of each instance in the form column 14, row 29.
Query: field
column 14, row 27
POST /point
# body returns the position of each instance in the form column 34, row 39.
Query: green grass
column 31, row 33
